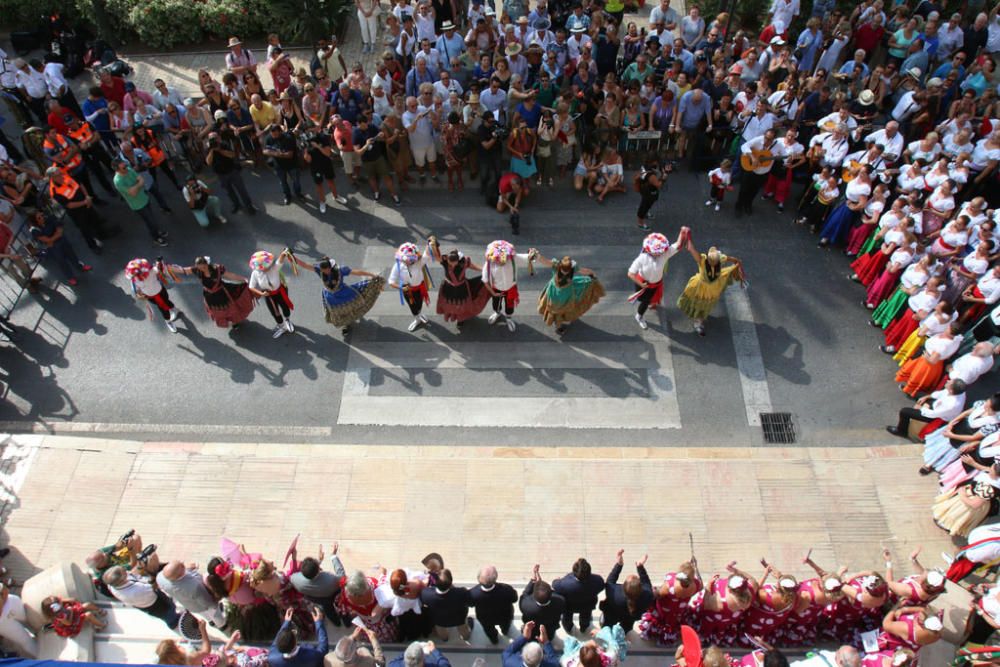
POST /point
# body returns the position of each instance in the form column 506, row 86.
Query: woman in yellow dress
column 715, row 273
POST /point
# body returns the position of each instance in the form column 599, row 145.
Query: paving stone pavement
column 512, row 506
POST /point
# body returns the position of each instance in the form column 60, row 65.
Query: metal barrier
column 12, row 281
column 640, row 143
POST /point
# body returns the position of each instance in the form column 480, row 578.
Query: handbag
column 544, row 149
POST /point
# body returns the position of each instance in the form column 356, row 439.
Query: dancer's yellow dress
column 701, row 294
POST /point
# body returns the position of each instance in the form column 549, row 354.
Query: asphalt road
column 89, row 360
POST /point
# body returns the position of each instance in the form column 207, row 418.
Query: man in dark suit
column 286, row 651
column 580, row 588
column 625, row 603
column 538, row 603
column 494, row 603
column 524, row 653
column 447, row 606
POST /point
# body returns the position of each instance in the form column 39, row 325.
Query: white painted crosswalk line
column 753, row 377
column 657, row 409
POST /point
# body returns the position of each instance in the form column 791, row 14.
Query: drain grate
column 778, row 427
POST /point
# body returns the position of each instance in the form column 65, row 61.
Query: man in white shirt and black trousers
column 944, row 404
column 763, row 151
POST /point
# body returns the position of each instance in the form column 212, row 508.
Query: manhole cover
column 778, row 427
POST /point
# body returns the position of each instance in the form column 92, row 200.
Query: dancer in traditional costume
column 647, row 271
column 721, row 605
column 571, row 292
column 923, row 373
column 149, row 284
column 344, row 304
column 412, row 278
column 859, row 610
column 705, row 288
column 268, row 282
column 771, row 608
column 227, row 299
column 672, row 608
column 801, row 627
column 460, row 297
column 500, row 278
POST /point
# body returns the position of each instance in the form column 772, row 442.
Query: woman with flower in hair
column 267, row 582
column 722, row 604
column 229, row 579
column 900, row 657
column 67, row 615
column 607, row 648
column 411, row 277
column 344, row 303
column 859, row 610
column 460, row 298
column 227, row 300
column 705, row 288
column 672, row 607
column 910, row 627
column 571, row 292
column 771, row 607
column 811, row 599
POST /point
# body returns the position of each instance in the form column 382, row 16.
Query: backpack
column 637, row 181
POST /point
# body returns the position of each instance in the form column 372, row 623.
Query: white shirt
column 920, row 154
column 784, row 10
column 758, row 144
column 33, row 82
column 982, row 156
column 857, row 189
column 719, row 176
column 942, row 345
column 893, row 146
column 782, row 107
column 943, row 405
column 933, row 324
column 756, row 126
column 834, row 149
column 578, row 43
column 923, row 301
column 989, row 285
column 172, row 97
column 949, row 41
column 909, row 182
column 969, row 368
column 136, row 592
column 650, row 268
column 403, row 274
column 501, row 277
column 905, row 108
column 54, row 78
column 7, row 79
column 269, row 280
column 914, row 276
column 151, row 286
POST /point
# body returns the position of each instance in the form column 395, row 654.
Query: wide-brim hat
column 447, row 25
column 522, row 19
column 577, row 29
column 866, row 98
column 234, row 41
column 915, row 72
column 513, row 49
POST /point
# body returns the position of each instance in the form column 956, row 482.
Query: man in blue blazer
column 286, row 651
column 525, row 653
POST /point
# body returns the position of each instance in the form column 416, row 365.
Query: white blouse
column 857, row 189
column 942, row 345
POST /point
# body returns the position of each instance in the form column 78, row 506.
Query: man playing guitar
column 758, row 156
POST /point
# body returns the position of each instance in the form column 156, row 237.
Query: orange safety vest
column 67, row 190
column 82, row 134
column 61, row 156
column 154, row 151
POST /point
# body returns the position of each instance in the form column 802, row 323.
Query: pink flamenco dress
column 764, row 622
column 721, row 627
column 662, row 623
column 845, row 619
column 890, row 642
column 801, row 627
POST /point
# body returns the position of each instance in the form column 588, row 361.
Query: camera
column 500, row 133
column 126, row 537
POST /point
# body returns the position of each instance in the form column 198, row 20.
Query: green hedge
column 161, row 24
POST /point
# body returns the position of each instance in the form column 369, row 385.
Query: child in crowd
column 720, row 178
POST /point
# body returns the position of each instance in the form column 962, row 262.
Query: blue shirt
column 101, row 122
column 433, row 659
column 691, row 112
column 532, row 116
column 848, row 68
column 349, row 107
column 450, row 48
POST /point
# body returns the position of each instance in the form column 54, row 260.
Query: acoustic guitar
column 756, row 159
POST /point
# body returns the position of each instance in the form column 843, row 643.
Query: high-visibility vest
column 67, row 190
column 60, row 153
column 156, row 154
column 82, row 134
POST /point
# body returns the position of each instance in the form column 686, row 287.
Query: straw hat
column 866, row 98
column 513, row 49
column 234, row 41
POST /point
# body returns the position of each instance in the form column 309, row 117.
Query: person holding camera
column 223, row 162
column 490, row 148
column 203, row 204
column 371, row 143
column 521, row 145
column 282, row 149
column 648, row 181
column 318, row 155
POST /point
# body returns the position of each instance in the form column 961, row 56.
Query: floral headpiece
column 138, row 269
column 261, row 260
column 499, row 251
column 655, row 244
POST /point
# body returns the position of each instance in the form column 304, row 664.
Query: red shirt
column 505, row 182
column 343, row 134
column 867, row 37
column 55, row 119
column 116, row 91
